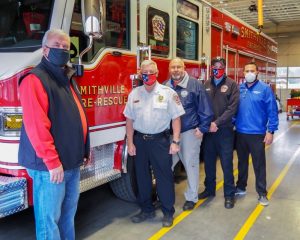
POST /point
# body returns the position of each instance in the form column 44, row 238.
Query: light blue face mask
column 58, row 56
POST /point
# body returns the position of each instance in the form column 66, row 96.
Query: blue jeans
column 55, row 205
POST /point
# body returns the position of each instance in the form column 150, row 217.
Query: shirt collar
column 183, row 83
column 156, row 88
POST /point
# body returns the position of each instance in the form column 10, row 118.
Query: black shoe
column 188, row 205
column 167, row 221
column 205, row 194
column 142, row 216
column 229, row 202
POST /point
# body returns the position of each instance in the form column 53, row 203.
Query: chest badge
column 224, row 88
column 184, row 93
column 160, row 98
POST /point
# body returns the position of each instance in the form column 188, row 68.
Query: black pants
column 154, row 152
column 251, row 144
column 219, row 144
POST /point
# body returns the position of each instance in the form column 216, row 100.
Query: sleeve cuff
column 52, row 164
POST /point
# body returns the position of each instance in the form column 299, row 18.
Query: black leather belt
column 145, row 136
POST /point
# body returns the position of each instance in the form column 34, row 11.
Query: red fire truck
column 109, row 45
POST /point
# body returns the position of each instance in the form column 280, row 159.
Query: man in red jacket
column 54, row 138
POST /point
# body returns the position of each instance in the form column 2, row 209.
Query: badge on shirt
column 176, row 99
column 224, row 88
column 184, row 93
column 160, row 98
column 136, row 101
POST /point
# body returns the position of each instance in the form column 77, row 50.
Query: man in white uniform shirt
column 149, row 111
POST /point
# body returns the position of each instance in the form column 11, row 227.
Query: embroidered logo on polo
column 256, row 92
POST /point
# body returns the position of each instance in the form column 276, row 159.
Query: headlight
column 11, row 120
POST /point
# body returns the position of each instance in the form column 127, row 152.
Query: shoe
column 142, row 216
column 240, row 192
column 263, row 200
column 229, row 202
column 167, row 221
column 205, row 194
column 188, row 205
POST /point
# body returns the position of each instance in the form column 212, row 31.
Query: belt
column 145, row 136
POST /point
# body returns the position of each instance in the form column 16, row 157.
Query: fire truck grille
column 100, row 170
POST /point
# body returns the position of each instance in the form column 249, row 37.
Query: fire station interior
column 101, row 215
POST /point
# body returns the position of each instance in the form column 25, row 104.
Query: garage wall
column 288, row 56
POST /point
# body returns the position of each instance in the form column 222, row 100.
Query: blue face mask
column 58, row 56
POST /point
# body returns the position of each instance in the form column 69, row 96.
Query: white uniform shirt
column 152, row 112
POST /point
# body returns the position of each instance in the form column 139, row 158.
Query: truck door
column 155, row 29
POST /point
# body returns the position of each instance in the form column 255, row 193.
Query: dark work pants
column 251, row 144
column 219, row 144
column 154, row 152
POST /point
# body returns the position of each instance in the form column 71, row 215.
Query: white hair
column 53, row 32
column 149, row 62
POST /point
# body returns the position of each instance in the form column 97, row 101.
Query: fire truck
column 109, row 39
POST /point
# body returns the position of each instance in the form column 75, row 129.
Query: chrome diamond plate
column 101, row 168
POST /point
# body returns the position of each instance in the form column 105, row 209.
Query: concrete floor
column 102, row 216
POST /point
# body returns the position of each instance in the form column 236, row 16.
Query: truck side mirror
column 93, row 17
column 93, row 21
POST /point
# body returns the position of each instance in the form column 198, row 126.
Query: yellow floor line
column 257, row 211
column 160, row 233
column 184, row 214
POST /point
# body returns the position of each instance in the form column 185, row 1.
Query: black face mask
column 58, row 56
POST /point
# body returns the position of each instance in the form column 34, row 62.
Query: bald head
column 177, row 69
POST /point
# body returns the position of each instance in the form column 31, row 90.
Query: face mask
column 149, row 79
column 58, row 56
column 250, row 77
column 218, row 73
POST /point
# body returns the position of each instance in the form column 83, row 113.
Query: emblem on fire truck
column 159, row 27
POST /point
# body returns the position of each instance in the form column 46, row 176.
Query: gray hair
column 149, row 62
column 53, row 32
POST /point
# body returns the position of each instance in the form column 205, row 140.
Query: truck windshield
column 23, row 24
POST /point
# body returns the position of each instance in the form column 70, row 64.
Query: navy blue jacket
column 195, row 101
column 66, row 125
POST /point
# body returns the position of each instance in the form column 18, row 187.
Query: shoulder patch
column 176, row 99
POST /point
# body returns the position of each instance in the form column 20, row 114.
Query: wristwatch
column 272, row 132
column 177, row 143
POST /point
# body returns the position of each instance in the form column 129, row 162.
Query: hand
column 198, row 133
column 174, row 148
column 213, row 127
column 268, row 138
column 131, row 150
column 57, row 174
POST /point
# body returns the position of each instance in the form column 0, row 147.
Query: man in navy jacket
column 196, row 121
column 256, row 121
column 224, row 95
